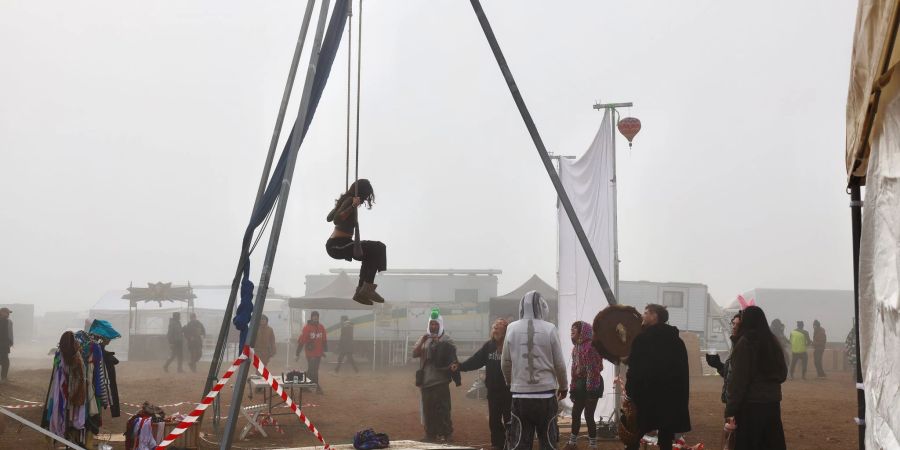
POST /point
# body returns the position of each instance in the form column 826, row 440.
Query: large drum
column 615, row 328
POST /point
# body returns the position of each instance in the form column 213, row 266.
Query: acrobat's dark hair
column 365, row 192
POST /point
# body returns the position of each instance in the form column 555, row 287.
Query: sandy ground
column 816, row 414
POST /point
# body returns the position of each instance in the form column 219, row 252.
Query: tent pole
column 235, row 284
column 277, row 222
column 856, row 205
column 542, row 151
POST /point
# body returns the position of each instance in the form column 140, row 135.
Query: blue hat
column 104, row 329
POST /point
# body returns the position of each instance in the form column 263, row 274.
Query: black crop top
column 346, row 225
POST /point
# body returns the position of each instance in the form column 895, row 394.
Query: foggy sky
column 133, row 134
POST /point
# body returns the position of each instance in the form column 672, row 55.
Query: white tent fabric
column 588, row 182
column 879, row 282
column 873, row 29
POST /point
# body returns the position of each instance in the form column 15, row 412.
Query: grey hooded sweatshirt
column 532, row 360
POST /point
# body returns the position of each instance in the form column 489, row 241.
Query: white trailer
column 690, row 307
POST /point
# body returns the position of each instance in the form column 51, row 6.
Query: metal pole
column 611, row 107
column 235, row 284
column 856, row 205
column 615, row 200
column 374, row 341
column 542, row 151
column 277, row 222
column 47, row 433
column 615, row 192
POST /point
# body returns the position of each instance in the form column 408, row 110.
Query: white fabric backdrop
column 879, row 283
column 588, row 182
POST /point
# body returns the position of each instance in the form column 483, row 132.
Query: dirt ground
column 816, row 414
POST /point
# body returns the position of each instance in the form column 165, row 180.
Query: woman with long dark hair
column 754, row 385
column 341, row 245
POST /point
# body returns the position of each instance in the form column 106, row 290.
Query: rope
column 357, row 249
column 358, row 84
column 349, row 84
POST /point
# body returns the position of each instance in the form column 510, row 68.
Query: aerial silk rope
column 326, row 58
column 357, row 246
column 349, row 93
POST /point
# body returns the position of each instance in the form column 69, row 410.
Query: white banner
column 589, row 184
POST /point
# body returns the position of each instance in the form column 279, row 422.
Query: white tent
column 873, row 160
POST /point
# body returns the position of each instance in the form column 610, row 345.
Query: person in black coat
column 175, row 336
column 715, row 361
column 754, row 387
column 657, row 381
column 345, row 346
column 6, row 342
column 498, row 395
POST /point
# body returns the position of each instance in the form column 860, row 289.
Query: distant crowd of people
column 796, row 347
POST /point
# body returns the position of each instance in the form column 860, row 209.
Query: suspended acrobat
column 344, row 242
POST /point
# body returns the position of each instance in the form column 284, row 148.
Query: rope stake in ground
column 261, row 368
column 198, row 411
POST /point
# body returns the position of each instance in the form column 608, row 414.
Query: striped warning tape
column 23, row 403
column 37, row 405
column 247, row 353
column 261, row 368
column 135, row 405
column 31, row 404
column 191, row 418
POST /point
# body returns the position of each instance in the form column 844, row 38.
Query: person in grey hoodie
column 533, row 366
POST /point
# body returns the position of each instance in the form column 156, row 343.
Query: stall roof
column 206, row 297
column 336, row 295
column 535, row 283
column 160, row 292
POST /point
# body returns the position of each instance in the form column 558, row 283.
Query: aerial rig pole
column 542, row 152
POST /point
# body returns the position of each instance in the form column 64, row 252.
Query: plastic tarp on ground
column 588, row 182
column 879, row 282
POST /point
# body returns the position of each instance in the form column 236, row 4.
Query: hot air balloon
column 629, row 127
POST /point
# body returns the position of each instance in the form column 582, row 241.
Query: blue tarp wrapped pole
column 279, row 188
column 298, row 133
column 263, row 182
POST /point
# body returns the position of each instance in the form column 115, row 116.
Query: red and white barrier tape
column 135, row 405
column 261, row 368
column 39, row 405
column 248, row 353
column 23, row 405
column 191, row 418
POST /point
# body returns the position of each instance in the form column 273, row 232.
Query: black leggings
column 374, row 257
column 586, row 406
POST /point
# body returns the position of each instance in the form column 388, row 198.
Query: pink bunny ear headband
column 744, row 303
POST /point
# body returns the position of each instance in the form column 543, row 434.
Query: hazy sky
column 132, row 136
